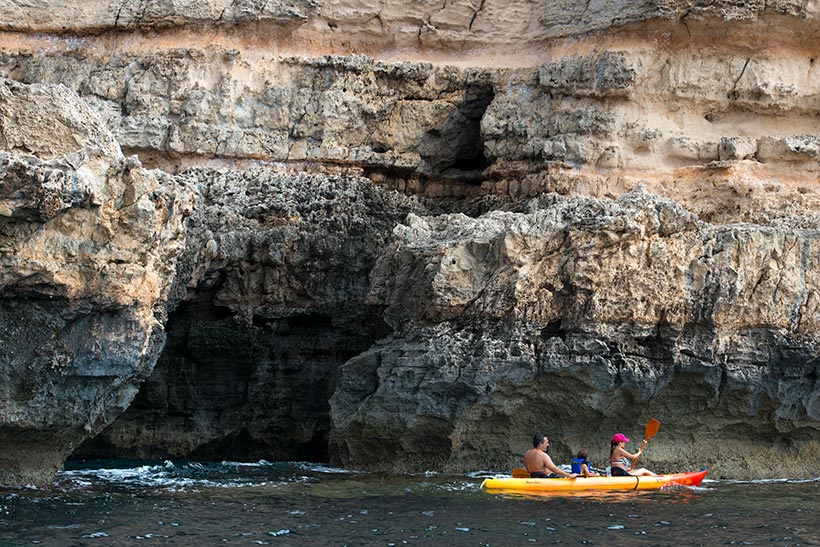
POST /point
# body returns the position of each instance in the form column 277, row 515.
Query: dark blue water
column 184, row 503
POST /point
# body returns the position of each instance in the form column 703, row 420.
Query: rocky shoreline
column 377, row 237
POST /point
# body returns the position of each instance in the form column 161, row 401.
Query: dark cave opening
column 456, row 149
column 225, row 390
column 552, row 330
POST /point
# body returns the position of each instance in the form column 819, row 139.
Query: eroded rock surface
column 89, row 245
column 622, row 111
column 581, row 317
column 393, row 23
column 281, row 267
column 406, row 236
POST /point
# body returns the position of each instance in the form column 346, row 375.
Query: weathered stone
column 279, row 266
column 520, row 290
column 792, row 148
column 585, row 309
column 427, row 23
column 737, row 148
column 87, row 256
column 689, row 149
column 40, row 15
column 605, row 75
column 436, row 120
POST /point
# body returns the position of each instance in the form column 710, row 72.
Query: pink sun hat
column 620, row 438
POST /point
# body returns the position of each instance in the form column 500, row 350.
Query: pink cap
column 620, row 438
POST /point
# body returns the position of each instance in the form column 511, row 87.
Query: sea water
column 114, row 503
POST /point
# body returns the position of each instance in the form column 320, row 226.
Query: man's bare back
column 536, row 459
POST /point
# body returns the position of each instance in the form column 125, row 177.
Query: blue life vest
column 576, row 464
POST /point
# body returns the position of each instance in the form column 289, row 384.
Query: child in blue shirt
column 580, row 464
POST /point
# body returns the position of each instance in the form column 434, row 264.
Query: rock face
column 253, row 353
column 89, row 244
column 399, row 236
column 623, row 111
column 581, row 317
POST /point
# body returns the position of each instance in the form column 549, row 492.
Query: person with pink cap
column 620, row 460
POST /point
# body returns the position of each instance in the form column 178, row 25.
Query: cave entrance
column 456, row 148
column 227, row 390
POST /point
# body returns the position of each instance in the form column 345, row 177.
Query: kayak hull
column 578, row 484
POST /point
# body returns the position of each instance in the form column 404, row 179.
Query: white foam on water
column 321, row 468
column 459, row 487
column 685, row 487
column 488, row 474
column 768, row 481
column 195, row 476
column 260, row 463
column 165, row 476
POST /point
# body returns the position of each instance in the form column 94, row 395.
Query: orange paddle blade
column 651, row 428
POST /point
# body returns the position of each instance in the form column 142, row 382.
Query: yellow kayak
column 693, row 478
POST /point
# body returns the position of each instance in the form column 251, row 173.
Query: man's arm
column 555, row 469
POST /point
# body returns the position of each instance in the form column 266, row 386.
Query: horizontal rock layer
column 611, row 113
column 393, row 24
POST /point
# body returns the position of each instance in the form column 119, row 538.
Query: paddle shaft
column 643, row 445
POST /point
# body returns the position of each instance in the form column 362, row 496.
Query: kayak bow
column 693, row 478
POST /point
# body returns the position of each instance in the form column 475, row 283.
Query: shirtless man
column 538, row 463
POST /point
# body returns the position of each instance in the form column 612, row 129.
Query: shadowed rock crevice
column 455, row 149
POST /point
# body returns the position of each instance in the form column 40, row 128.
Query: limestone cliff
column 89, row 244
column 407, row 236
column 281, row 266
column 580, row 317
